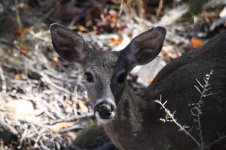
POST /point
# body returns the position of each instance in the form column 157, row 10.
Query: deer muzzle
column 105, row 109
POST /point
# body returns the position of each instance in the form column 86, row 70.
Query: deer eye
column 121, row 77
column 89, row 77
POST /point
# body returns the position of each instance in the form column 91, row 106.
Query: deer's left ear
column 143, row 48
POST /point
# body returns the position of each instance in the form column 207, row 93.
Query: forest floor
column 43, row 102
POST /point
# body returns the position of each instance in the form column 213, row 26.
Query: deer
column 133, row 121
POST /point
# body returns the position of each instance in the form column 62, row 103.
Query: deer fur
column 133, row 122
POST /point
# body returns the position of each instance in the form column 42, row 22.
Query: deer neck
column 132, row 108
column 133, row 117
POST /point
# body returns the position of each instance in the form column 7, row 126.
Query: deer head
column 105, row 72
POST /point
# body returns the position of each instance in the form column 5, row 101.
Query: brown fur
column 137, row 124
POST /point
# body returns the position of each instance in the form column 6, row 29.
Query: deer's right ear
column 68, row 44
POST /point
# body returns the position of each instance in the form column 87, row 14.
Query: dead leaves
column 59, row 126
column 20, row 76
column 81, row 105
column 196, row 42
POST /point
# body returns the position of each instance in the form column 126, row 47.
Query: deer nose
column 105, row 109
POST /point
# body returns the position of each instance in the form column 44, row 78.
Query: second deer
column 134, row 122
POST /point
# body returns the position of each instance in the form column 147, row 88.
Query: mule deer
column 133, row 122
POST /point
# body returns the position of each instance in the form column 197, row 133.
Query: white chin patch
column 104, row 121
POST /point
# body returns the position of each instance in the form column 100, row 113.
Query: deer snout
column 105, row 110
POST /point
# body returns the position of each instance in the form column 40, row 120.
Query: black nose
column 104, row 109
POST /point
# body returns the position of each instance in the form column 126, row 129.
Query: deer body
column 133, row 122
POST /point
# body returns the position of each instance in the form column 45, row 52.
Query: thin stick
column 2, row 76
column 167, row 111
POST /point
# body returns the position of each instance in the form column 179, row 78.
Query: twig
column 39, row 36
column 74, row 118
column 48, row 80
column 19, row 22
column 196, row 111
column 24, row 136
column 171, row 115
column 160, row 7
column 216, row 141
column 2, row 76
column 198, row 106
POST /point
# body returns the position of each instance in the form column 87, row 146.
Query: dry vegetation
column 43, row 103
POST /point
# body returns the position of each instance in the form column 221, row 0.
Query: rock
column 223, row 13
column 20, row 110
